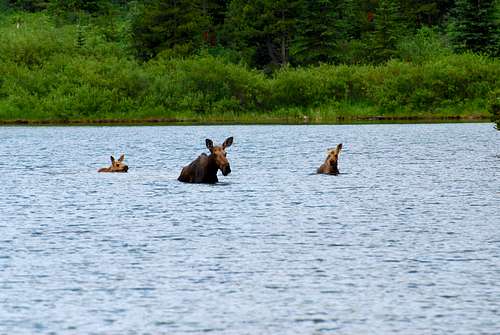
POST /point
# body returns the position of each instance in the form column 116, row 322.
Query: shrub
column 204, row 84
column 494, row 106
column 424, row 46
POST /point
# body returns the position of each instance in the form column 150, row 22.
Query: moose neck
column 334, row 169
column 212, row 166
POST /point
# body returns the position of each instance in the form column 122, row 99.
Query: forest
column 248, row 61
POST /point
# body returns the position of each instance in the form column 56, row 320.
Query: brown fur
column 330, row 166
column 116, row 165
column 204, row 168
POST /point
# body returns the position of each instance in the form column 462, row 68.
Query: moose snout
column 226, row 169
column 125, row 168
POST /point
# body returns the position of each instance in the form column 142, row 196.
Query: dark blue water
column 406, row 240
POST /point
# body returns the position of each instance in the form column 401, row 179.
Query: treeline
column 66, row 61
column 274, row 33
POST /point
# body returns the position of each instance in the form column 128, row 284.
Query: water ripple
column 405, row 240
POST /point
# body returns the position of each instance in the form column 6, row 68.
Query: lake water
column 405, row 240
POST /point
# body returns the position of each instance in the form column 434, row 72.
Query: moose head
column 116, row 165
column 218, row 154
column 330, row 166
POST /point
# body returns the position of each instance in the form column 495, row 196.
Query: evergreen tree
column 176, row 25
column 418, row 13
column 29, row 5
column 474, row 26
column 262, row 29
column 317, row 35
column 324, row 29
column 215, row 10
column 67, row 6
column 351, row 19
column 388, row 29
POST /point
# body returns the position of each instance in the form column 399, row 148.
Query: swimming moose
column 330, row 166
column 116, row 165
column 204, row 168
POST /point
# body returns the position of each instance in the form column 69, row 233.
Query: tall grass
column 46, row 75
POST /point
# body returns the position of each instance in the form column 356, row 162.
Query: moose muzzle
column 226, row 169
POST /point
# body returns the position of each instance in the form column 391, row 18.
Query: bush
column 204, row 84
column 494, row 106
column 34, row 42
column 424, row 46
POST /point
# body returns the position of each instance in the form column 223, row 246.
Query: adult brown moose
column 330, row 166
column 116, row 165
column 204, row 168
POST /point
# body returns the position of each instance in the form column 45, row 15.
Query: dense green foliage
column 203, row 60
column 275, row 33
column 270, row 34
column 474, row 26
column 174, row 25
column 494, row 105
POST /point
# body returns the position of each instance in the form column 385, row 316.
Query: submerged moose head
column 116, row 165
column 330, row 166
column 204, row 168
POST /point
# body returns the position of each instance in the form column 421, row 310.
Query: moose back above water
column 330, row 166
column 204, row 168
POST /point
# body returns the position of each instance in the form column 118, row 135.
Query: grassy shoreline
column 209, row 90
column 252, row 119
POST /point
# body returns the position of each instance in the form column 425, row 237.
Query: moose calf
column 116, row 165
column 330, row 166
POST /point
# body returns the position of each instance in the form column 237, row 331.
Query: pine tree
column 317, row 36
column 29, row 5
column 419, row 13
column 262, row 30
column 324, row 29
column 65, row 6
column 387, row 31
column 474, row 26
column 176, row 25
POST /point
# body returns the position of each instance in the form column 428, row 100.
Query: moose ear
column 122, row 157
column 112, row 159
column 227, row 143
column 209, row 144
column 339, row 147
